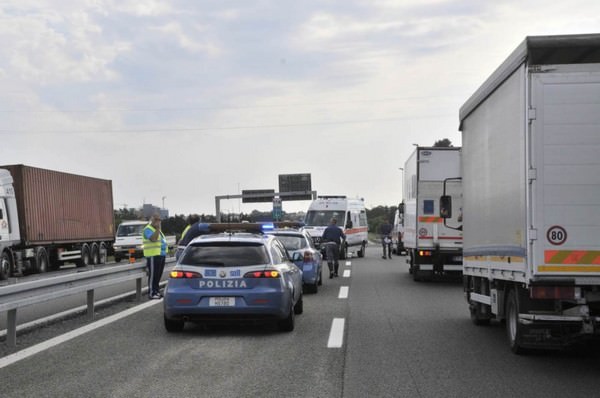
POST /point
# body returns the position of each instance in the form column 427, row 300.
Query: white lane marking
column 348, row 263
column 336, row 335
column 27, row 352
column 82, row 308
column 347, row 273
column 344, row 292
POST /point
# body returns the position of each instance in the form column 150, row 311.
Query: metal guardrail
column 13, row 297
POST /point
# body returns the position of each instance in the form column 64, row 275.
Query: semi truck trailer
column 531, row 193
column 433, row 244
column 49, row 217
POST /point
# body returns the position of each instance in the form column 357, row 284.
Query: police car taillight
column 262, row 274
column 184, row 275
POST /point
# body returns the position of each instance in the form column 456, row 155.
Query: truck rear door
column 565, row 171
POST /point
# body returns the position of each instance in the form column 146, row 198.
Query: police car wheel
column 173, row 325
column 287, row 324
column 299, row 307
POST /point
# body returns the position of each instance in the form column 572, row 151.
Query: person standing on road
column 385, row 230
column 192, row 219
column 333, row 236
column 194, row 230
column 155, row 251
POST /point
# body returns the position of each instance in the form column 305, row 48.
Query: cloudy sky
column 191, row 99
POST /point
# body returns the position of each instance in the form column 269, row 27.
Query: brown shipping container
column 57, row 207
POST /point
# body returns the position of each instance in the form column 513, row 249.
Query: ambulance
column 351, row 216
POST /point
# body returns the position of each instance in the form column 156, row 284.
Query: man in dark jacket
column 385, row 231
column 333, row 237
column 196, row 229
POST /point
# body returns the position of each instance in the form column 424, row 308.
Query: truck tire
column 514, row 329
column 94, row 254
column 41, row 261
column 5, row 266
column 84, row 261
column 102, row 253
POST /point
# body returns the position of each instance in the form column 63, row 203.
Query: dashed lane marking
column 27, row 352
column 336, row 335
column 344, row 292
column 347, row 273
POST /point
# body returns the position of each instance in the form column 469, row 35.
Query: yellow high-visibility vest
column 184, row 232
column 152, row 249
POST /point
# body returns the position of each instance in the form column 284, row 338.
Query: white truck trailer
column 531, row 193
column 433, row 244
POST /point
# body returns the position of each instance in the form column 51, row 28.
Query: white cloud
column 49, row 47
column 195, row 41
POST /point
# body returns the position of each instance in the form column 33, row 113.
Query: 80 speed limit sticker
column 556, row 235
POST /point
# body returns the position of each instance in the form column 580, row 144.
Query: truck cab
column 128, row 241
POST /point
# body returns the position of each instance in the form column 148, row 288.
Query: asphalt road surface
column 399, row 338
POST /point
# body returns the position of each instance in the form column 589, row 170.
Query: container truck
column 433, row 244
column 531, row 193
column 49, row 217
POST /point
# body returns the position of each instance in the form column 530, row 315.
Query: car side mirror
column 297, row 256
column 446, row 206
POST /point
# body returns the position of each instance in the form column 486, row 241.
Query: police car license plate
column 221, row 302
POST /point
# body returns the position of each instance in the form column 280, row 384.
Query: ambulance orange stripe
column 430, row 219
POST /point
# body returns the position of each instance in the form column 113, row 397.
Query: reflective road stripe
column 336, row 335
column 343, row 292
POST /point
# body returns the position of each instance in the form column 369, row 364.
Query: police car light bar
column 289, row 224
column 234, row 227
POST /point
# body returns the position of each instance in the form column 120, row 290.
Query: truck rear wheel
column 94, row 254
column 84, row 261
column 514, row 330
column 102, row 250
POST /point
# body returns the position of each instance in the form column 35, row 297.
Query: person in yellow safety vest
column 155, row 251
column 192, row 219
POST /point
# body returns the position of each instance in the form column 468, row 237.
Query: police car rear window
column 225, row 254
column 292, row 242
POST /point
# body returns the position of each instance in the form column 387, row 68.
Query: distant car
column 303, row 252
column 233, row 276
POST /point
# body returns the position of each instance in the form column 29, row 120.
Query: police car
column 303, row 252
column 237, row 274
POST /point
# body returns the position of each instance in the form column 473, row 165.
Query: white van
column 351, row 216
column 128, row 242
